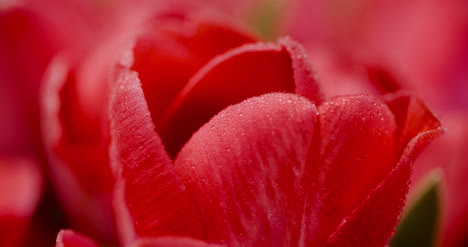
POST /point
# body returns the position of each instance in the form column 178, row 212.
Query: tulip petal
column 171, row 52
column 355, row 154
column 306, row 84
column 69, row 238
column 210, row 38
column 373, row 221
column 153, row 194
column 248, row 71
column 245, row 171
column 412, row 116
column 170, row 242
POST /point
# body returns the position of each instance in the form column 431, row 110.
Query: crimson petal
column 247, row 71
column 412, row 116
column 355, row 154
column 171, row 52
column 153, row 194
column 305, row 78
column 207, row 38
column 245, row 168
column 69, row 238
column 372, row 223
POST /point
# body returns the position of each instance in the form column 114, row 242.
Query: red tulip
column 272, row 170
column 252, row 167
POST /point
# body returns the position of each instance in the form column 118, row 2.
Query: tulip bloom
column 239, row 147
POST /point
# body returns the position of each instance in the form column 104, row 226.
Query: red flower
column 237, row 147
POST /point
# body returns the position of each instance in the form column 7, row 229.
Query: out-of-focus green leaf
column 267, row 16
column 420, row 221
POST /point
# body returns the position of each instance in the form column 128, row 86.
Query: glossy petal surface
column 269, row 172
column 231, row 167
column 244, row 171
